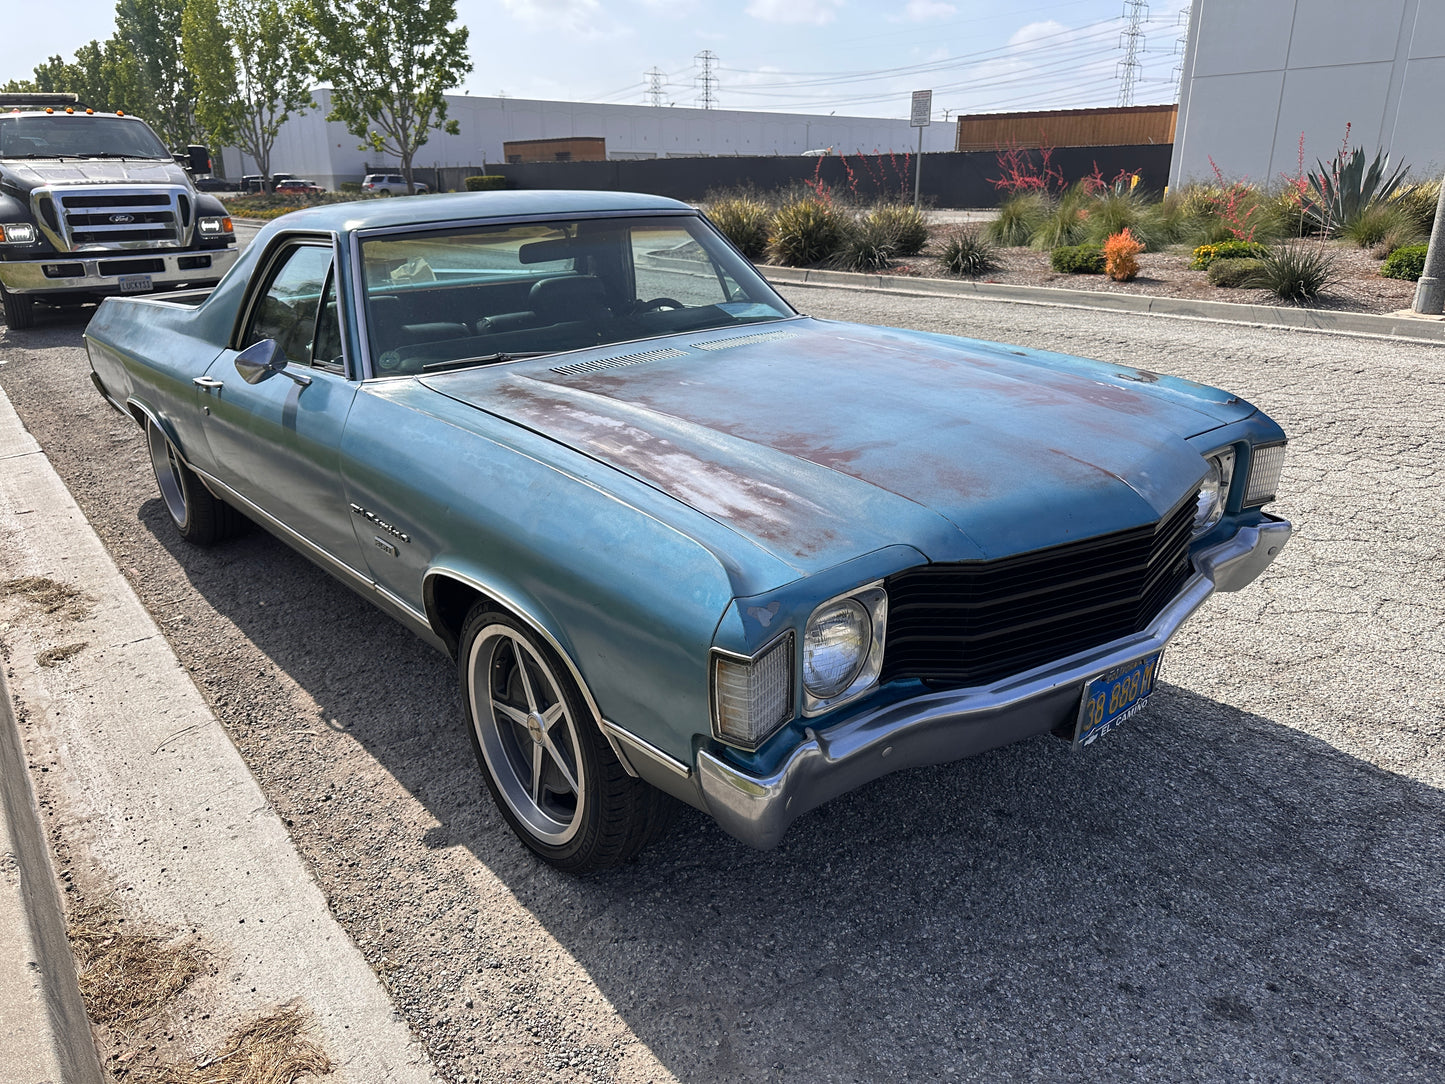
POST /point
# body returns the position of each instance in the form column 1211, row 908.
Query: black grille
column 142, row 266
column 976, row 621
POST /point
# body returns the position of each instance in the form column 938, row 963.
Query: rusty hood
column 820, row 441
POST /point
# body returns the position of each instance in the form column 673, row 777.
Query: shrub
column 1397, row 238
column 866, row 245
column 968, row 252
column 1374, row 222
column 1232, row 272
column 744, row 221
column 1205, row 255
column 1419, row 202
column 1296, row 272
column 806, row 232
column 350, row 187
column 1065, row 223
column 900, row 221
column 487, row 182
column 1019, row 217
column 1110, row 212
column 1078, row 259
column 1407, row 262
column 1121, row 255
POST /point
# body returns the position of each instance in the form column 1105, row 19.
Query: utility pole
column 656, row 80
column 1131, row 40
column 1430, row 291
column 706, row 81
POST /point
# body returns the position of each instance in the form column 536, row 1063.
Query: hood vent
column 745, row 340
column 618, row 362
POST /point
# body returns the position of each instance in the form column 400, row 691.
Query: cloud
column 580, row 16
column 923, row 11
column 816, row 12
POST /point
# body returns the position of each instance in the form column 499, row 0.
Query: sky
column 849, row 57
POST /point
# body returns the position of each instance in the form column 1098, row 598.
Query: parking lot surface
column 1241, row 883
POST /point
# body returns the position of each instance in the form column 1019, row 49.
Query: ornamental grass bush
column 1078, row 259
column 968, row 252
column 1065, row 224
column 1019, row 216
column 1296, row 271
column 1233, row 272
column 901, row 222
column 1376, row 221
column 1419, row 201
column 744, row 221
column 1407, row 262
column 805, row 232
column 867, row 244
column 1121, row 256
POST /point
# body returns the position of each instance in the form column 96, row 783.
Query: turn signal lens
column 1265, row 465
column 752, row 698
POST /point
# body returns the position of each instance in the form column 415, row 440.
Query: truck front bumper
column 100, row 274
column 946, row 725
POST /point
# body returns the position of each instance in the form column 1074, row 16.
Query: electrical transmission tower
column 656, row 80
column 1181, row 46
column 1131, row 40
column 706, row 81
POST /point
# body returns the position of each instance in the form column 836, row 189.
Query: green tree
column 155, row 70
column 85, row 77
column 389, row 63
column 250, row 61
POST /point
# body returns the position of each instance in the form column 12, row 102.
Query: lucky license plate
column 1111, row 698
column 135, row 284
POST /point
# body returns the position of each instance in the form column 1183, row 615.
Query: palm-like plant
column 1344, row 189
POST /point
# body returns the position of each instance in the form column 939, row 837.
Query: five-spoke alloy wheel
column 200, row 517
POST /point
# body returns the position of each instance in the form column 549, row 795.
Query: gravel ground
column 1241, row 884
column 1359, row 287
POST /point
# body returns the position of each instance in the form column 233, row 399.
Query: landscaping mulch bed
column 1166, row 274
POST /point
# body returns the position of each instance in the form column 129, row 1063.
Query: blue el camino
column 684, row 542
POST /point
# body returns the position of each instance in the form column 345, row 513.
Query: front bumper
column 938, row 727
column 99, row 273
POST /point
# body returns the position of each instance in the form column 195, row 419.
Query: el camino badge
column 381, row 524
column 1111, row 698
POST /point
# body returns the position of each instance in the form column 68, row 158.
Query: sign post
column 920, row 118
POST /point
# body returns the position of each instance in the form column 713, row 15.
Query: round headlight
column 835, row 647
column 1212, row 493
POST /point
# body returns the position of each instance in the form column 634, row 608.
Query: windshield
column 78, row 136
column 492, row 293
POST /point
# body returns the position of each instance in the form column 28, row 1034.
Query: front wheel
column 200, row 517
column 19, row 310
column 551, row 772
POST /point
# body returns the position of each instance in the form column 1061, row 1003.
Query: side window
column 287, row 311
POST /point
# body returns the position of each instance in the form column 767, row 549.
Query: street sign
column 922, row 109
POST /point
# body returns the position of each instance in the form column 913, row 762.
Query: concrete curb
column 151, row 790
column 1429, row 329
column 46, row 1038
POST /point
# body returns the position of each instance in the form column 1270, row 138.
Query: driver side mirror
column 264, row 359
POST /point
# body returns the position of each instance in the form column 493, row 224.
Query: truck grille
column 115, row 217
column 973, row 622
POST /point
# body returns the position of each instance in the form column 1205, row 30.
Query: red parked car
column 297, row 186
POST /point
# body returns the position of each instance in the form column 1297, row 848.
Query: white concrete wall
column 1258, row 73
column 327, row 153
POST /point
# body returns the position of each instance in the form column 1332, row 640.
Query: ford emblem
column 121, row 220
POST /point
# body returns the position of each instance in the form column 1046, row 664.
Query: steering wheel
column 656, row 304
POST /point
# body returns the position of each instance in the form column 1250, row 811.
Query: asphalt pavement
column 1241, row 884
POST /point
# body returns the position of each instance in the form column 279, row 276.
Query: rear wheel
column 551, row 772
column 19, row 310
column 200, row 517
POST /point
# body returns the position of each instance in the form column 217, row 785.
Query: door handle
column 207, row 383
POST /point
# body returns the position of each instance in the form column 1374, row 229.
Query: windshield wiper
column 486, row 359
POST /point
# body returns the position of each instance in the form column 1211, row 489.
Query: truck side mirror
column 200, row 159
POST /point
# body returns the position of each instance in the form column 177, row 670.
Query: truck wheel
column 19, row 310
column 551, row 772
column 201, row 518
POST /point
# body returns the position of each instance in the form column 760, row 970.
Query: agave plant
column 1344, row 189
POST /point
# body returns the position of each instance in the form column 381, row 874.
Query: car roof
column 445, row 209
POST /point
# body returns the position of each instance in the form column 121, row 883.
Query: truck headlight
column 1214, row 491
column 843, row 648
column 17, row 233
column 211, row 226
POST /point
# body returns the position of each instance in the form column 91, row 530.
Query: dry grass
column 54, row 656
column 48, row 596
column 273, row 1050
column 130, row 980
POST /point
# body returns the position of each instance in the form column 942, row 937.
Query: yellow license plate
column 1111, row 698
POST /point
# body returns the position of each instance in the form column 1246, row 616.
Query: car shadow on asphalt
column 1207, row 894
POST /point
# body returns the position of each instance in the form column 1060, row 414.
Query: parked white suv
column 389, row 184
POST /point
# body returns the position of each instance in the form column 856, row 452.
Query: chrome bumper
column 28, row 277
column 939, row 727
